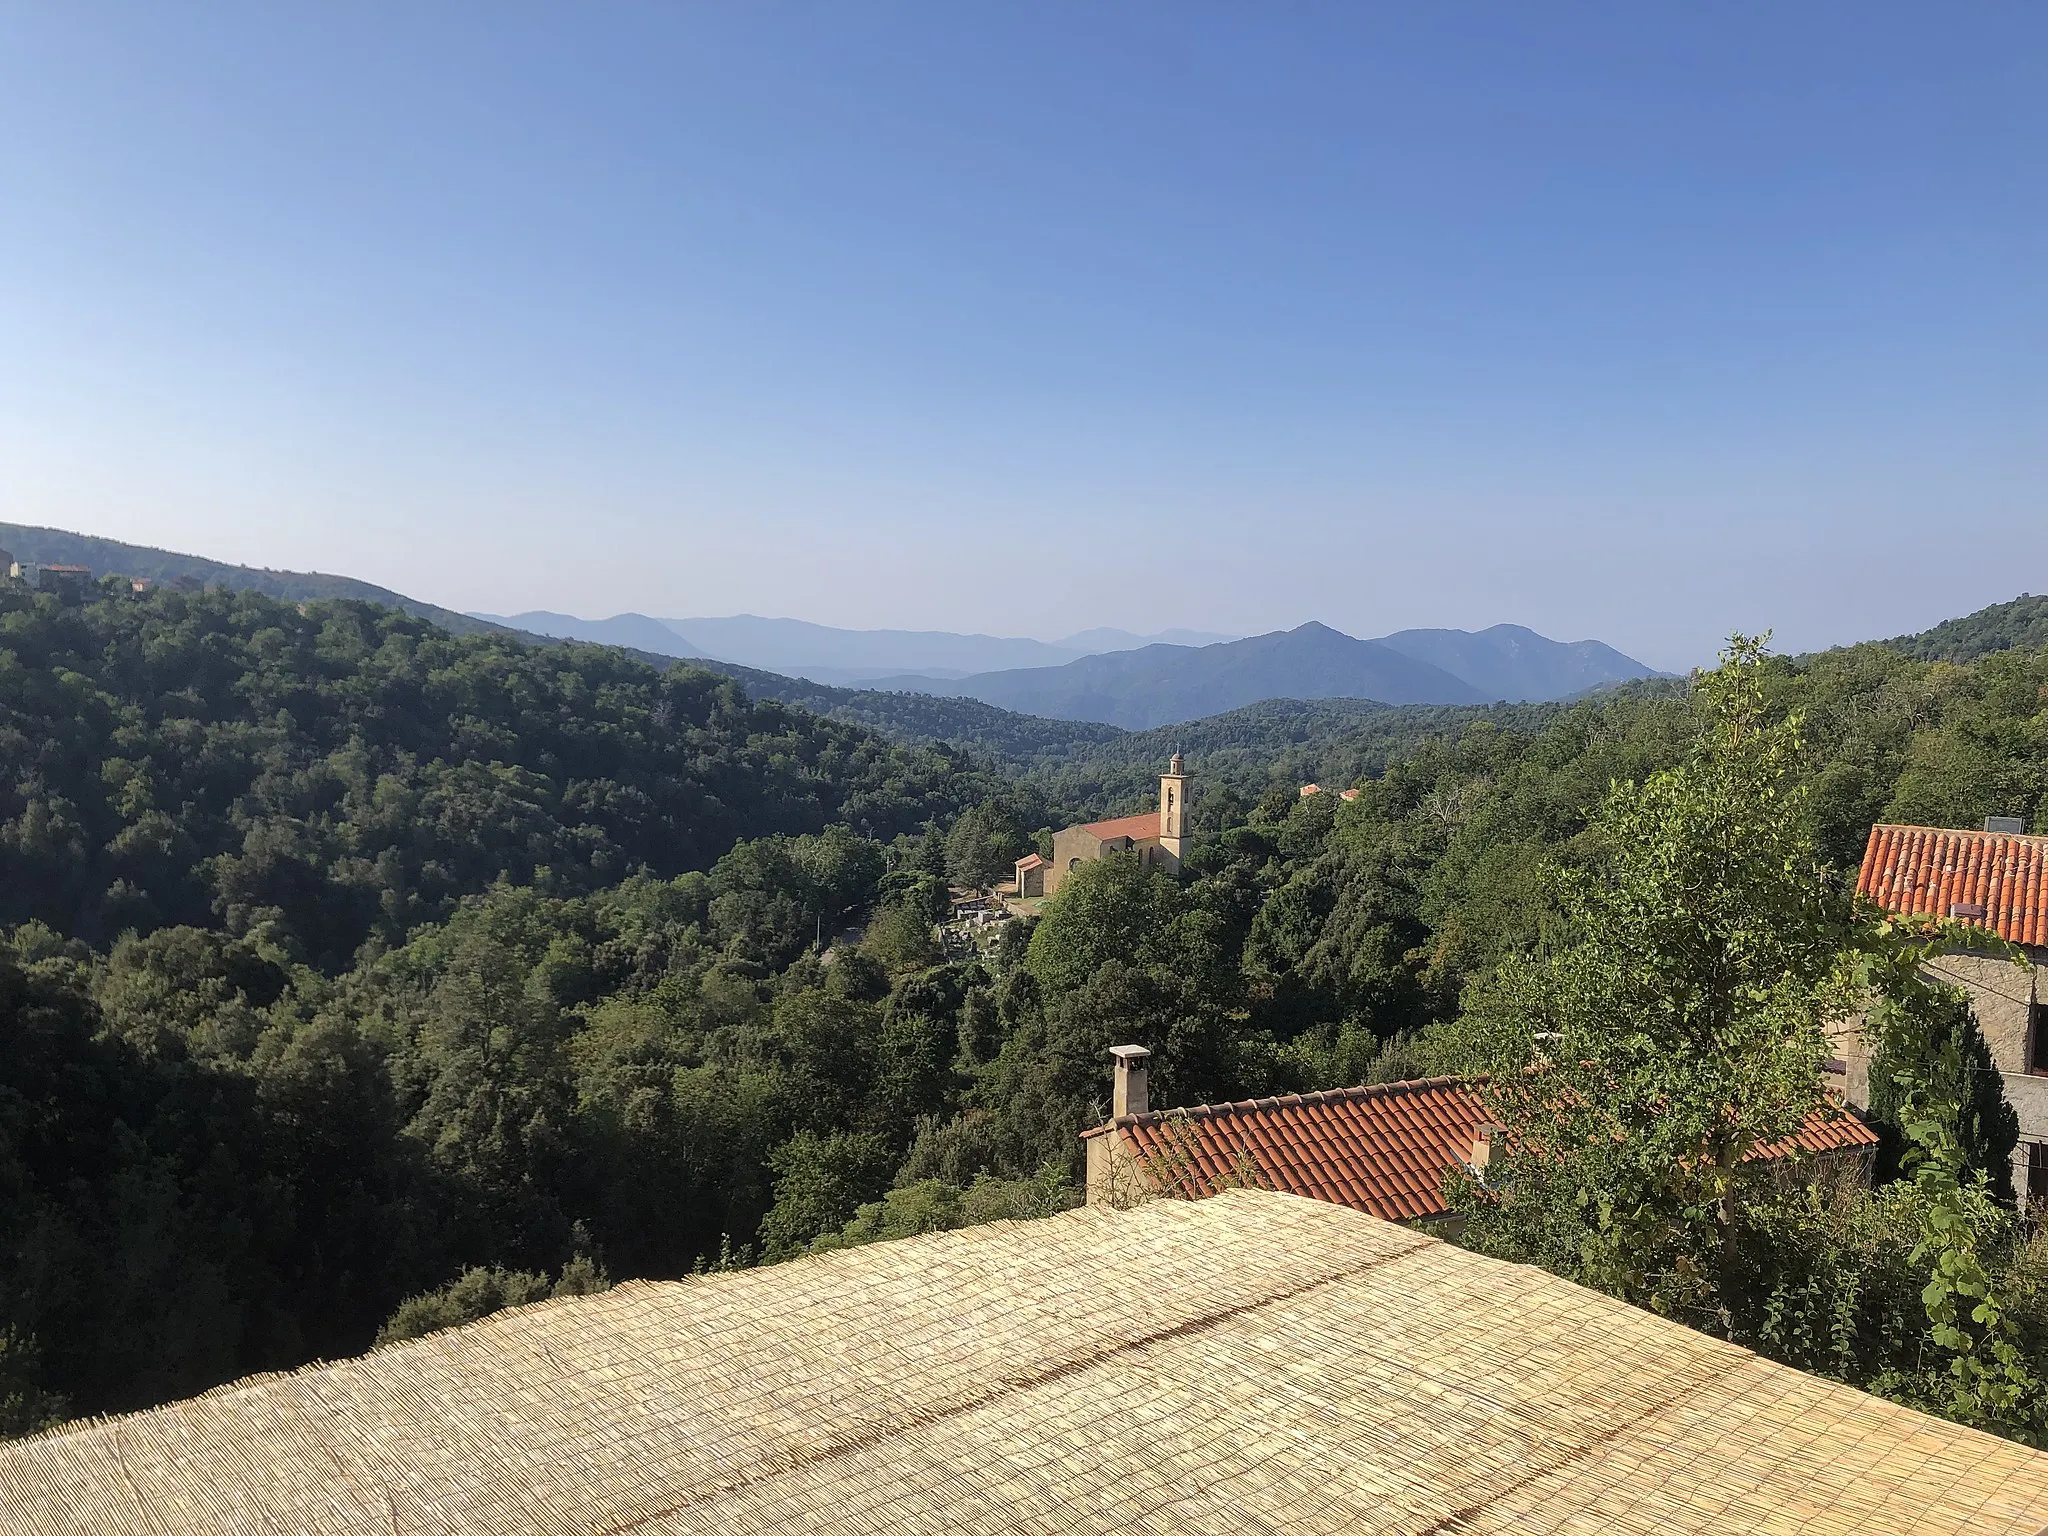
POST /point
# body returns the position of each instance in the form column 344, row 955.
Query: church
column 1158, row 837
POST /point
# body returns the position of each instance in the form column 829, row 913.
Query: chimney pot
column 1128, row 1097
column 1482, row 1147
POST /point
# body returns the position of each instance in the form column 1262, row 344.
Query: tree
column 1986, row 1127
column 480, row 1291
column 1109, row 909
column 986, row 843
column 1975, row 1326
column 820, row 1181
column 1678, row 1026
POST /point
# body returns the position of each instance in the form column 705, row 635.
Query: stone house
column 1996, row 878
column 1157, row 837
column 70, row 581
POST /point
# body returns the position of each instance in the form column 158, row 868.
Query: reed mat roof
column 1251, row 1362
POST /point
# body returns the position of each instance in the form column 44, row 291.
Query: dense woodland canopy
column 349, row 962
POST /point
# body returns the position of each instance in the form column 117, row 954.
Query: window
column 2037, row 1173
column 2037, row 1038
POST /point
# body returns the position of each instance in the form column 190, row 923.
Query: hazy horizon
column 1636, row 326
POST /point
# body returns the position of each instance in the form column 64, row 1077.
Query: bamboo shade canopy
column 1254, row 1362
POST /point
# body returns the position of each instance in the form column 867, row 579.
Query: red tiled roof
column 1029, row 861
column 1145, row 824
column 1931, row 871
column 1383, row 1149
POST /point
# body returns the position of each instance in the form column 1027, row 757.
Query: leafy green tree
column 1986, row 1127
column 985, row 844
column 1109, row 909
column 931, row 1205
column 478, row 1292
column 1976, row 1322
column 318, row 775
column 820, row 1182
column 1677, row 1028
column 899, row 935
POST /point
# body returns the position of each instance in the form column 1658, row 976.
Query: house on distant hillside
column 1158, row 838
column 1346, row 795
column 1383, row 1149
column 1998, row 879
column 64, row 580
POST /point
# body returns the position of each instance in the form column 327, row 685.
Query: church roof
column 1145, row 824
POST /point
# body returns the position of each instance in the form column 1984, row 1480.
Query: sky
column 1641, row 323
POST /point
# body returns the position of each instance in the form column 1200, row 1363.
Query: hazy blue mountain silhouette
column 635, row 630
column 827, row 654
column 1510, row 662
column 1164, row 684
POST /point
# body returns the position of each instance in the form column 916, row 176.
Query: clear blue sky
column 1637, row 321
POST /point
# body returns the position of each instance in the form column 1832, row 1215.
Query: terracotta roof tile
column 1139, row 827
column 1383, row 1149
column 1030, row 861
column 1930, row 871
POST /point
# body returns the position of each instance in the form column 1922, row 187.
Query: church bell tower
column 1173, row 809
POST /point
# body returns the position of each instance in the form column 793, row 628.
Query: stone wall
column 1071, row 846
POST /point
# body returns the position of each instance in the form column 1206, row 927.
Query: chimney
column 1129, row 1095
column 1482, row 1148
column 2006, row 826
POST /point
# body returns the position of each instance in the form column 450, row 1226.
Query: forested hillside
column 323, row 773
column 2021, row 624
column 1013, row 741
column 351, row 962
column 59, row 546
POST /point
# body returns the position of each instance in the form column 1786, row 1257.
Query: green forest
column 358, row 978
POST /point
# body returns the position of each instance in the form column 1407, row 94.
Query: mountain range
column 1417, row 667
column 1136, row 681
column 1165, row 684
column 1109, row 676
column 824, row 654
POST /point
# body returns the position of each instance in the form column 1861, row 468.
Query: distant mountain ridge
column 1163, row 684
column 1511, row 663
column 636, row 631
column 1507, row 662
column 1130, row 683
column 822, row 653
